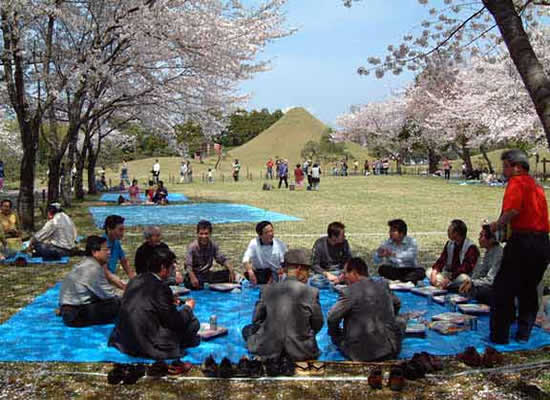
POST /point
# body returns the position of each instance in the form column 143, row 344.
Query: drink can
column 213, row 322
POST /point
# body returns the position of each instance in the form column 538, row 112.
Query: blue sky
column 316, row 67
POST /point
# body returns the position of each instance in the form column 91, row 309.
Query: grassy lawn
column 364, row 205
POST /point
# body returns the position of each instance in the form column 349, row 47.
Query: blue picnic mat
column 33, row 260
column 217, row 213
column 113, row 197
column 36, row 334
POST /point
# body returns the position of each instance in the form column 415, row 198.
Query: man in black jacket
column 150, row 325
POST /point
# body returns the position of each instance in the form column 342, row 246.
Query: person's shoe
column 286, row 366
column 413, row 370
column 133, row 373
column 209, row 367
column 397, row 381
column 117, row 374
column 256, row 368
column 226, row 369
column 491, row 357
column 435, row 361
column 272, row 366
column 179, row 367
column 424, row 360
column 375, row 379
column 470, row 357
column 158, row 369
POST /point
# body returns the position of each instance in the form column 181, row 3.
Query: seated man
column 288, row 315
column 264, row 255
column 161, row 194
column 57, row 237
column 149, row 324
column 480, row 285
column 397, row 255
column 457, row 260
column 86, row 297
column 114, row 232
column 330, row 253
column 371, row 330
column 153, row 236
column 200, row 257
column 9, row 220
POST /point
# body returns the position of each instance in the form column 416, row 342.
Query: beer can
column 213, row 322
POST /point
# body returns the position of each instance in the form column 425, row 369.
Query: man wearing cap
column 57, row 237
column 288, row 315
column 263, row 258
column 527, row 251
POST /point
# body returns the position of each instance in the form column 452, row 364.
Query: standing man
column 149, row 324
column 114, row 232
column 370, row 331
column 288, row 315
column 156, row 171
column 269, row 165
column 86, row 297
column 457, row 260
column 283, row 173
column 236, row 168
column 447, row 168
column 397, row 256
column 264, row 255
column 200, row 257
column 526, row 254
column 330, row 253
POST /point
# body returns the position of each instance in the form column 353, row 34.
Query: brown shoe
column 470, row 357
column 397, row 381
column 491, row 357
column 375, row 379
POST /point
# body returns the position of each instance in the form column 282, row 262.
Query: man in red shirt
column 527, row 252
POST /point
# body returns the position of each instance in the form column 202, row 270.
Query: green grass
column 363, row 204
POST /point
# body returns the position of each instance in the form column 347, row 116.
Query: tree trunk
column 54, row 167
column 92, row 161
column 433, row 160
column 528, row 65
column 25, row 200
column 79, row 178
column 486, row 158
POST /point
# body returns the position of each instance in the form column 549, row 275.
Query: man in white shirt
column 264, row 256
column 57, row 237
column 156, row 171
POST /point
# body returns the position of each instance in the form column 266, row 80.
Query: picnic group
column 364, row 323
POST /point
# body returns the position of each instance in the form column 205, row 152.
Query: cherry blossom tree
column 474, row 26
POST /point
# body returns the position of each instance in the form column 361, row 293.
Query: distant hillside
column 284, row 139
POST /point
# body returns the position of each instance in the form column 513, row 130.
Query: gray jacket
column 289, row 315
column 371, row 330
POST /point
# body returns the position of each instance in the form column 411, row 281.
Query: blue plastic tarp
column 113, row 197
column 216, row 213
column 36, row 334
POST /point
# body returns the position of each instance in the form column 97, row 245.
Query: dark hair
column 298, row 166
column 112, row 221
column 7, row 201
column 358, row 265
column 459, row 227
column 151, row 183
column 134, row 181
column 399, row 225
column 93, row 243
column 334, row 229
column 204, row 224
column 121, row 199
column 489, row 235
column 160, row 258
column 51, row 209
column 516, row 157
column 161, row 183
column 261, row 225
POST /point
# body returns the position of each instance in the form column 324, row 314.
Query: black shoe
column 158, row 369
column 286, row 366
column 256, row 368
column 134, row 372
column 226, row 369
column 117, row 374
column 209, row 367
column 273, row 366
column 242, row 369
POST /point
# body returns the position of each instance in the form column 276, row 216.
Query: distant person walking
column 1, row 176
column 447, row 168
column 366, row 167
column 283, row 173
column 124, row 173
column 236, row 169
column 183, row 172
column 156, row 171
column 315, row 176
column 189, row 172
column 269, row 165
column 298, row 176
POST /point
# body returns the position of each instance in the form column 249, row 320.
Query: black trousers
column 447, row 173
column 221, row 276
column 281, row 179
column 402, row 274
column 524, row 262
column 98, row 313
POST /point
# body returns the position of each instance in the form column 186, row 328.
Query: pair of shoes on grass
column 247, row 368
column 211, row 369
column 280, row 366
column 472, row 358
column 309, row 367
column 396, row 381
column 128, row 374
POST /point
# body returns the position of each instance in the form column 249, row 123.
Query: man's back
column 370, row 328
column 289, row 314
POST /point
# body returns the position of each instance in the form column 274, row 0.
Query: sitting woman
column 161, row 194
column 133, row 191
